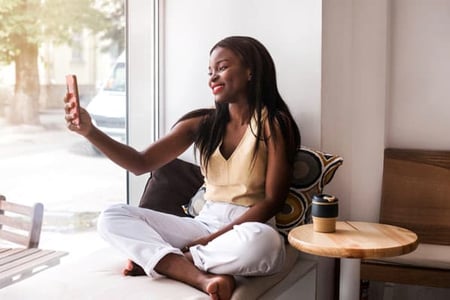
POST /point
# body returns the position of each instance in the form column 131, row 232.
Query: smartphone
column 72, row 88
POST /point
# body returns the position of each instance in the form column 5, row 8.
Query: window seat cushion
column 98, row 276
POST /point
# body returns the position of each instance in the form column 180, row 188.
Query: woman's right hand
column 85, row 126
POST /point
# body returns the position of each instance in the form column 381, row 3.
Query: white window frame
column 142, row 81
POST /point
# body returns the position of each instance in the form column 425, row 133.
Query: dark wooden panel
column 416, row 193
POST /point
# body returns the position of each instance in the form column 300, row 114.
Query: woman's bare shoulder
column 192, row 120
column 197, row 113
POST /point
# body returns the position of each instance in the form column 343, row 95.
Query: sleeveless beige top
column 238, row 179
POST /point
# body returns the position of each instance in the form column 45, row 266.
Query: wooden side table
column 351, row 242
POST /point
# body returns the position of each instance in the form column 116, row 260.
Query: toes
column 133, row 269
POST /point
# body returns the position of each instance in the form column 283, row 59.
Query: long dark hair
column 263, row 93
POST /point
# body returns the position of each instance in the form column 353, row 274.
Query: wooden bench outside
column 20, row 229
column 416, row 196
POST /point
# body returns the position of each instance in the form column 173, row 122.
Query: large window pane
column 40, row 160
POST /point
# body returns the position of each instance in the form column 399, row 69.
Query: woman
column 246, row 144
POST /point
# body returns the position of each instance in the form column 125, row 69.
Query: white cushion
column 426, row 255
column 98, row 276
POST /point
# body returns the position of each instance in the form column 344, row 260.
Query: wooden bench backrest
column 416, row 193
column 21, row 224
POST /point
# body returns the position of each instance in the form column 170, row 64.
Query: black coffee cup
column 325, row 210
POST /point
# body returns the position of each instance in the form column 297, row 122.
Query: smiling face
column 228, row 77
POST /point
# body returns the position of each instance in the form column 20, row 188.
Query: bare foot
column 133, row 269
column 220, row 287
column 179, row 267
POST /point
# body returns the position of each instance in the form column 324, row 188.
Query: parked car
column 108, row 107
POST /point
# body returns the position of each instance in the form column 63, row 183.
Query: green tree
column 24, row 26
column 115, row 33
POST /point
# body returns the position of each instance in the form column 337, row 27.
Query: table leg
column 349, row 279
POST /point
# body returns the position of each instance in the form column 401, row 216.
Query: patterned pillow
column 312, row 171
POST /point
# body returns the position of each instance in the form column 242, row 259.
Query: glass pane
column 40, row 160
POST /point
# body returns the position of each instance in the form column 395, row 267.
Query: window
column 42, row 161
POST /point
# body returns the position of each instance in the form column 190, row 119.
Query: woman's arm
column 156, row 155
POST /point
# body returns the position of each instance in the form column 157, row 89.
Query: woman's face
column 228, row 78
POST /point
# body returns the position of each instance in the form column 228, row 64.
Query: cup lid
column 324, row 198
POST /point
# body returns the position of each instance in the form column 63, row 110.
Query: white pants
column 146, row 236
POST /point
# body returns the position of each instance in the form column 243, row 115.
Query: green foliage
column 115, row 33
column 48, row 20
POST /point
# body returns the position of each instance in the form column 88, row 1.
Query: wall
column 385, row 67
column 291, row 30
column 419, row 108
column 384, row 84
column 354, row 89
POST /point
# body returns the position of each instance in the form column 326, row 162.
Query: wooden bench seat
column 416, row 195
column 20, row 229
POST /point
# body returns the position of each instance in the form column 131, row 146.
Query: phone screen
column 72, row 89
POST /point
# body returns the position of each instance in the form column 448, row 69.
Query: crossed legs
column 153, row 240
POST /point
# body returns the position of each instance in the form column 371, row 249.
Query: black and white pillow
column 312, row 171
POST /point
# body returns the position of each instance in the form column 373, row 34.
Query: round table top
column 354, row 240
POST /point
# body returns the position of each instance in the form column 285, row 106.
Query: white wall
column 354, row 87
column 419, row 110
column 291, row 30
